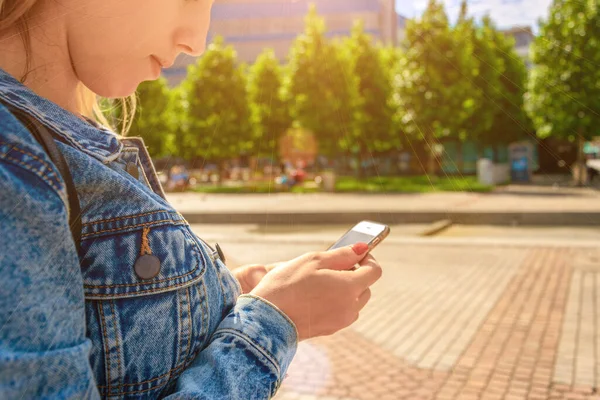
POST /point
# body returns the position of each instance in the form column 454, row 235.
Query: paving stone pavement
column 465, row 322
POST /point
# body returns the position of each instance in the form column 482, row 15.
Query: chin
column 115, row 89
column 114, row 85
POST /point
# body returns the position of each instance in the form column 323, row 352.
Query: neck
column 47, row 67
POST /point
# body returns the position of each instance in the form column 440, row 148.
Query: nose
column 191, row 41
column 194, row 51
column 191, row 37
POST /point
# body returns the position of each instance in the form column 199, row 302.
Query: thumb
column 344, row 258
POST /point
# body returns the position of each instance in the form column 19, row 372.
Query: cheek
column 108, row 69
column 110, row 52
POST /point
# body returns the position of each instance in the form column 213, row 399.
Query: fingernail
column 360, row 248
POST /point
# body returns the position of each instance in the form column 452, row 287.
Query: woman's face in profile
column 114, row 45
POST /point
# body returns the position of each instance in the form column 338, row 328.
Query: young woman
column 130, row 304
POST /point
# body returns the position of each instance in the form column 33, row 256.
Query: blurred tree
column 374, row 120
column 436, row 89
column 218, row 112
column 151, row 121
column 510, row 122
column 485, row 78
column 322, row 91
column 563, row 97
column 270, row 116
column 179, row 121
column 392, row 60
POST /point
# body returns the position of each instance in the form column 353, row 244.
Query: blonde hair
column 13, row 13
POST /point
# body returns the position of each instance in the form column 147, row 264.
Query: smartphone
column 368, row 232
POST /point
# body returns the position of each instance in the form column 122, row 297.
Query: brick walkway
column 466, row 323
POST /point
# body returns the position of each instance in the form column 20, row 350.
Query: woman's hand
column 250, row 275
column 318, row 291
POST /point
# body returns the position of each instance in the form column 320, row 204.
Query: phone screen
column 362, row 232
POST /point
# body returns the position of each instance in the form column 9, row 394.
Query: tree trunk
column 431, row 169
column 460, row 160
column 358, row 172
column 580, row 165
column 221, row 172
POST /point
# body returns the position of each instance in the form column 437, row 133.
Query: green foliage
column 322, row 91
column 358, row 98
column 269, row 112
column 510, row 122
column 497, row 117
column 484, row 75
column 411, row 184
column 179, row 121
column 217, row 105
column 151, row 121
column 436, row 88
column 374, row 129
column 393, row 58
column 563, row 96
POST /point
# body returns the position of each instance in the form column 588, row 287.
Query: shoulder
column 23, row 158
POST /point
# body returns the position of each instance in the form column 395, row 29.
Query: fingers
column 367, row 274
column 363, row 299
column 344, row 258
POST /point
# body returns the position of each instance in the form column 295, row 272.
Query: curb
column 402, row 217
column 437, row 227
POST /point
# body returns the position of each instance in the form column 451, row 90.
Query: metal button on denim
column 147, row 266
column 132, row 169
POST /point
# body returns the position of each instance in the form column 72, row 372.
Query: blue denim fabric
column 97, row 330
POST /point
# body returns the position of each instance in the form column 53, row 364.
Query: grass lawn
column 412, row 184
column 253, row 188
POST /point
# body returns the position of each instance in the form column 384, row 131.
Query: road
column 474, row 313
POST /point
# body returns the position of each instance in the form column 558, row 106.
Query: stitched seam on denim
column 176, row 370
column 135, row 226
column 238, row 285
column 257, row 346
column 180, row 328
column 15, row 147
column 189, row 300
column 149, row 380
column 112, row 307
column 248, row 295
column 66, row 135
column 219, row 275
column 150, row 283
column 196, row 336
column 130, row 216
column 226, row 273
column 106, row 352
column 36, row 171
column 150, row 388
column 205, row 311
column 148, row 185
column 137, row 293
column 171, row 371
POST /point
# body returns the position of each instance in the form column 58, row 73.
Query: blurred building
column 253, row 25
column 401, row 29
column 524, row 37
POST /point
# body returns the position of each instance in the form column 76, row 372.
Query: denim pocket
column 144, row 331
column 111, row 249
